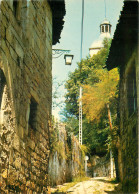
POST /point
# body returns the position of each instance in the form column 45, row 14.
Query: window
column 134, row 132
column 132, row 91
column 102, row 28
column 2, row 84
column 15, row 7
column 106, row 28
column 33, row 114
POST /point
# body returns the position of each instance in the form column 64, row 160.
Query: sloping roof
column 58, row 11
column 105, row 21
column 125, row 37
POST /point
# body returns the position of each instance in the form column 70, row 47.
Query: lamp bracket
column 58, row 52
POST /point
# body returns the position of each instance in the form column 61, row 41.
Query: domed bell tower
column 105, row 32
column 105, row 27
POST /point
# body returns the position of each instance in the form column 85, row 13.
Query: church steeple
column 105, row 32
column 105, row 27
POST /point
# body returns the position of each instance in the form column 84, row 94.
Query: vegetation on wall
column 66, row 148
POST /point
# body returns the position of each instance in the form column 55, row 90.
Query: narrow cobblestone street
column 94, row 186
column 98, row 185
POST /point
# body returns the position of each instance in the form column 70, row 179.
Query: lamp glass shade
column 68, row 59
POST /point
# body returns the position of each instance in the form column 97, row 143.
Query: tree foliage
column 99, row 88
column 84, row 74
column 101, row 93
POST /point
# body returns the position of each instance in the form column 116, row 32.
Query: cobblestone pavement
column 98, row 185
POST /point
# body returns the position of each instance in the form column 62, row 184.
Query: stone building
column 105, row 32
column 124, row 55
column 27, row 31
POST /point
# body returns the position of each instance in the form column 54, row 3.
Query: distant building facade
column 105, row 32
column 26, row 91
column 124, row 54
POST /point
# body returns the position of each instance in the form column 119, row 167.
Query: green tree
column 98, row 96
column 94, row 135
column 99, row 100
column 84, row 74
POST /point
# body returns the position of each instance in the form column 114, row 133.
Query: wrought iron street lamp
column 68, row 59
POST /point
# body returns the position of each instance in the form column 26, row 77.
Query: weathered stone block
column 12, row 175
column 17, row 163
column 21, row 135
column 31, row 144
column 16, row 142
column 5, row 173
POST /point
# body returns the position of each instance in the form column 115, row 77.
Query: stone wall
column 25, row 94
column 124, row 54
column 128, row 150
column 65, row 159
column 101, row 167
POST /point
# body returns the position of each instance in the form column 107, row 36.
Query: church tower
column 105, row 31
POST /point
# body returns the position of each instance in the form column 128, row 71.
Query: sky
column 94, row 14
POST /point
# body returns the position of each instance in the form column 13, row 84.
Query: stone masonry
column 66, row 160
column 25, row 94
column 101, row 166
column 124, row 54
column 128, row 153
